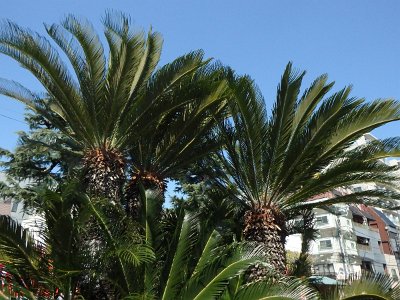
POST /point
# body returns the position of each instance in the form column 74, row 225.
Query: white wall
column 293, row 242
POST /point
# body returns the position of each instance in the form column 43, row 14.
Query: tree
column 274, row 165
column 55, row 259
column 167, row 148
column 301, row 265
column 194, row 261
column 60, row 257
column 106, row 102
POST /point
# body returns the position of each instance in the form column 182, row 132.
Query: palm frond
column 369, row 286
column 375, row 197
column 106, row 226
column 135, row 254
column 19, row 248
column 177, row 270
column 235, row 264
column 285, row 289
column 85, row 52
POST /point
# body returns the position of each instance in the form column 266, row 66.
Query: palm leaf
column 368, row 285
column 106, row 227
column 285, row 289
column 177, row 270
column 19, row 248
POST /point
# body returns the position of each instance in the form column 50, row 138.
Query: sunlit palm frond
column 368, row 286
column 285, row 289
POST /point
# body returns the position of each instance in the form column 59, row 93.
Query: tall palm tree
column 104, row 101
column 275, row 164
column 167, row 148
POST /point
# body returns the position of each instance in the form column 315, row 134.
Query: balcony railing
column 362, row 247
column 330, row 274
column 365, row 226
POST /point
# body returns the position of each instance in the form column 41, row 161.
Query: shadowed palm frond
column 124, row 252
column 19, row 250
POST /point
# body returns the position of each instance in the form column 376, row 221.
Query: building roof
column 356, row 211
column 384, row 218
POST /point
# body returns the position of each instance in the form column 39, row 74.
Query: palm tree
column 106, row 101
column 192, row 261
column 275, row 164
column 168, row 147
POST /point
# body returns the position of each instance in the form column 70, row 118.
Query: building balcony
column 365, row 227
column 325, row 273
column 366, row 248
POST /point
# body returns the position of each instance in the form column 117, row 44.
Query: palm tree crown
column 104, row 102
column 276, row 163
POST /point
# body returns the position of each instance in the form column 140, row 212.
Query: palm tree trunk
column 267, row 225
column 149, row 181
column 105, row 172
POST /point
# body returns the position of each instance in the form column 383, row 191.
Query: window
column 358, row 219
column 325, row 245
column 380, row 246
column 321, row 220
column 362, row 240
column 357, row 189
column 14, row 207
column 366, row 266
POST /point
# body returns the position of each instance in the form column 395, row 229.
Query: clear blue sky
column 356, row 42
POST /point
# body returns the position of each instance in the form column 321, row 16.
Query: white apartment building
column 350, row 241
column 334, row 253
column 15, row 209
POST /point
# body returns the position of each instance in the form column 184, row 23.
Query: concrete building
column 15, row 209
column 350, row 241
column 334, row 253
column 388, row 232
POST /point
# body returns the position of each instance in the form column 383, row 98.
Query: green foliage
column 272, row 289
column 55, row 259
column 214, row 206
column 368, row 286
column 62, row 256
column 193, row 261
column 302, row 148
column 179, row 137
column 19, row 250
column 187, row 114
